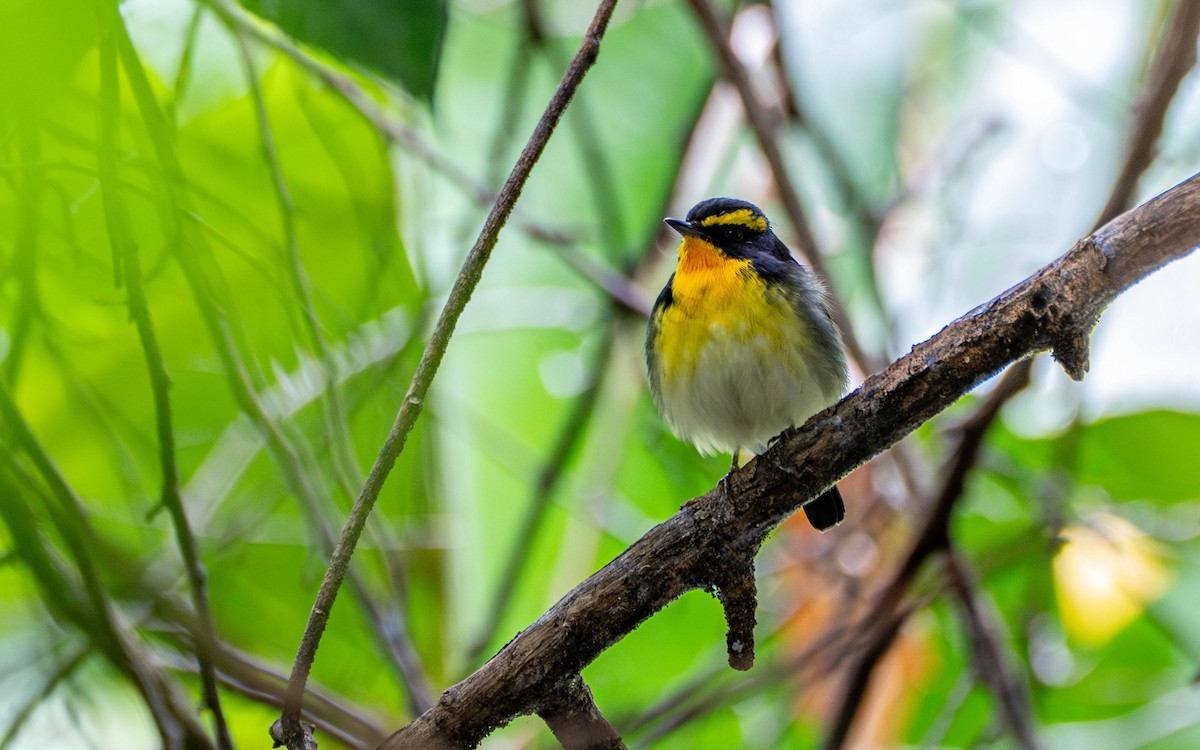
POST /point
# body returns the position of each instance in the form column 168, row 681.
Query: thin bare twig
column 290, row 731
column 125, row 249
column 396, row 633
column 880, row 636
column 868, row 218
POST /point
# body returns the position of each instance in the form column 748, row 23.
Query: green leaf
column 1149, row 455
column 399, row 40
column 41, row 44
column 1142, row 456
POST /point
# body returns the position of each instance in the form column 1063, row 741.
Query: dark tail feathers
column 826, row 511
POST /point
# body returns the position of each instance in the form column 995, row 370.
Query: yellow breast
column 717, row 301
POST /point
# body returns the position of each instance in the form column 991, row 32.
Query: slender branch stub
column 576, row 721
column 739, row 599
column 297, row 735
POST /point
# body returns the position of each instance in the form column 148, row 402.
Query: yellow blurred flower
column 1105, row 575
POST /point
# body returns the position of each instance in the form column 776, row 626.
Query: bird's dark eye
column 731, row 233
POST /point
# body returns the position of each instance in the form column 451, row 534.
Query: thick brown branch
column 1060, row 302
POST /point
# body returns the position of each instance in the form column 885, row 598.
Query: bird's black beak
column 683, row 227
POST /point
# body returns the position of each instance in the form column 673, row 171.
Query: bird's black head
column 734, row 226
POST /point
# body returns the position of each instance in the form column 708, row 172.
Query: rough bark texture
column 711, row 542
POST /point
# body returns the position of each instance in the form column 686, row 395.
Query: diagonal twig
column 408, row 660
column 290, row 730
column 932, row 539
column 126, row 253
column 1175, row 57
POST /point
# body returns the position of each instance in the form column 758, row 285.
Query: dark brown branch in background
column 880, row 635
column 1055, row 309
column 933, row 538
column 991, row 666
column 765, row 126
column 289, row 730
column 868, row 218
column 1176, row 56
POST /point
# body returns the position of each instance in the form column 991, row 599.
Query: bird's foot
column 786, row 433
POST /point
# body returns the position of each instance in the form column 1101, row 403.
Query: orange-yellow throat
column 716, row 299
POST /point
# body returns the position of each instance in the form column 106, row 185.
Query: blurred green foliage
column 291, row 321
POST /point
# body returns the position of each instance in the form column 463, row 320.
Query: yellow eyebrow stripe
column 741, row 217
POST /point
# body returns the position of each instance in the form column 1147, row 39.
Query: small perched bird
column 741, row 344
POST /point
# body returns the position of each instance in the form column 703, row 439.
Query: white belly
column 741, row 392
